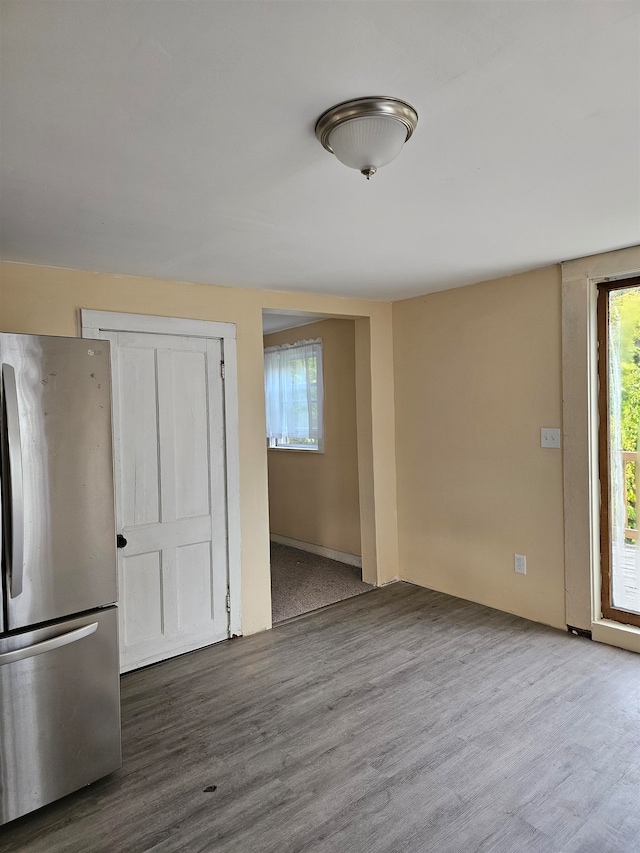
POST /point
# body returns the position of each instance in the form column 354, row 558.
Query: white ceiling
column 175, row 139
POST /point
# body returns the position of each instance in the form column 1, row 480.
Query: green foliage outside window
column 624, row 317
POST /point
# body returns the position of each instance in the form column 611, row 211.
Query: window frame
column 607, row 607
column 273, row 443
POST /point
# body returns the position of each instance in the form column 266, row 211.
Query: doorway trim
column 93, row 323
column 608, row 608
column 580, row 441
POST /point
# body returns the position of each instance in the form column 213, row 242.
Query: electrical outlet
column 520, row 564
column 549, row 437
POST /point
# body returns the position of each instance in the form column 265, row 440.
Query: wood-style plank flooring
column 399, row 721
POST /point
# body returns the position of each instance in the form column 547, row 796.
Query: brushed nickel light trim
column 392, row 108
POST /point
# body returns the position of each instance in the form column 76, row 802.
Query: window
column 293, row 392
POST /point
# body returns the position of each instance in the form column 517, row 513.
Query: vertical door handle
column 1, row 486
column 16, row 499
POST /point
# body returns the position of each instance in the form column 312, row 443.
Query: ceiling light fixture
column 367, row 133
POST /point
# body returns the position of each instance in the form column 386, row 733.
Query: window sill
column 616, row 634
column 298, row 449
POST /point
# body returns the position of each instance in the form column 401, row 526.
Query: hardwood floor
column 399, row 721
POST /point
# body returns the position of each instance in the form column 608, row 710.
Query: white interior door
column 169, row 448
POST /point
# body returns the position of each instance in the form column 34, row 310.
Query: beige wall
column 477, row 374
column 313, row 497
column 45, row 300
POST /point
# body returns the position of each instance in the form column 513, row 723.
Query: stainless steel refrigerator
column 59, row 678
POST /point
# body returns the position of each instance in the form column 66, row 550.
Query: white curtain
column 293, row 390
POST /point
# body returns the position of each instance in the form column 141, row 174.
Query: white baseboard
column 320, row 550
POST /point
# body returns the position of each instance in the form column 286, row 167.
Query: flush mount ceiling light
column 367, row 133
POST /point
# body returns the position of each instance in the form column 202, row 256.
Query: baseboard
column 579, row 632
column 320, row 550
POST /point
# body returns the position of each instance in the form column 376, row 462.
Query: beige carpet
column 301, row 582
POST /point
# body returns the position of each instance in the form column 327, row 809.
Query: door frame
column 94, row 324
column 607, row 607
column 580, row 278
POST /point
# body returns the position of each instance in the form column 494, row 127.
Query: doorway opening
column 619, row 448
column 312, row 441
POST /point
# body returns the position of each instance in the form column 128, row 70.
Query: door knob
column 121, row 541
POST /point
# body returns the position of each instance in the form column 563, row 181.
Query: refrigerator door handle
column 48, row 645
column 16, row 559
column 1, row 500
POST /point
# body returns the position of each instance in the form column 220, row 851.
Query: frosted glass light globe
column 366, row 133
column 368, row 142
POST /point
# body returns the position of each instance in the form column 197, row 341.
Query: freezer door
column 59, row 531
column 59, row 711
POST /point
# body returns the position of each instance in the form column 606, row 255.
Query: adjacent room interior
column 393, row 606
column 314, row 501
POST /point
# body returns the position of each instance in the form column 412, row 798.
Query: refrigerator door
column 59, row 531
column 2, row 625
column 59, row 710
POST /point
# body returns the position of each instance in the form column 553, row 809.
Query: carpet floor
column 301, row 582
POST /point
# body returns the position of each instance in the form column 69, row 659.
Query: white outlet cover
column 520, row 564
column 549, row 437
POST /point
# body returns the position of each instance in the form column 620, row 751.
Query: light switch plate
column 549, row 437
